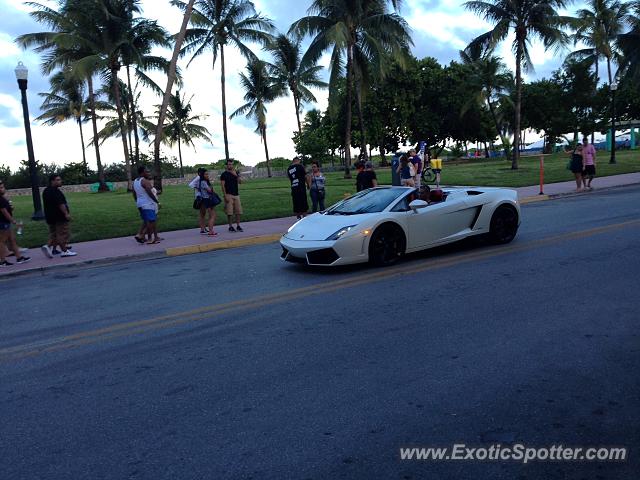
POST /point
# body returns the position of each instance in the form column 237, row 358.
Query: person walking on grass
column 367, row 178
column 58, row 217
column 6, row 232
column 589, row 156
column 406, row 171
column 229, row 181
column 148, row 205
column 315, row 182
column 297, row 176
column 205, row 201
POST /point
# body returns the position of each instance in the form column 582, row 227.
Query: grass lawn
column 108, row 215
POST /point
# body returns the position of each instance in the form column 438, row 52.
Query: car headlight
column 340, row 232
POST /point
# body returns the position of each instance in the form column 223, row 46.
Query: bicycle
column 428, row 175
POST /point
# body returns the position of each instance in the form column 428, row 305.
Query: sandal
column 212, row 234
column 153, row 242
column 139, row 240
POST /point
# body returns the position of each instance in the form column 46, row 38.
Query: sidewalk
column 184, row 242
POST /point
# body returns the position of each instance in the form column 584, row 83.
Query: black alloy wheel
column 504, row 224
column 387, row 245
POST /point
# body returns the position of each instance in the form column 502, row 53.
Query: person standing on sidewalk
column 56, row 213
column 316, row 184
column 406, row 172
column 576, row 165
column 147, row 203
column 589, row 156
column 205, row 201
column 6, row 232
column 229, row 181
column 297, row 176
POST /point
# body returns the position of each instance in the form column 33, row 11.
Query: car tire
column 387, row 245
column 504, row 225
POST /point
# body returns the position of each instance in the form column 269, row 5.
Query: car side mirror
column 417, row 204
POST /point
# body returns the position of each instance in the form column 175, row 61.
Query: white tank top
column 143, row 200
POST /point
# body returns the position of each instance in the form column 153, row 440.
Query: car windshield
column 368, row 201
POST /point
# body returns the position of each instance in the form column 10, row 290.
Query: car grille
column 326, row 256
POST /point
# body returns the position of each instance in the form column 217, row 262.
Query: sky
column 440, row 28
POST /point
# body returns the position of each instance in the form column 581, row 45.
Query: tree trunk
column 92, row 104
column 84, row 154
column 134, row 118
column 595, row 91
column 266, row 150
column 383, row 157
column 224, row 104
column 123, row 128
column 296, row 102
column 363, row 140
column 516, row 137
column 499, row 130
column 180, row 156
column 171, row 77
column 347, row 127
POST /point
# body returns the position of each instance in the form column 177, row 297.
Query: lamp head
column 614, row 86
column 22, row 73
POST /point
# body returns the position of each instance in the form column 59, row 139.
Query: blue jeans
column 317, row 198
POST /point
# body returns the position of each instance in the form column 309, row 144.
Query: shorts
column 590, row 170
column 5, row 226
column 232, row 205
column 148, row 215
column 436, row 165
column 207, row 203
column 408, row 182
column 5, row 233
column 59, row 233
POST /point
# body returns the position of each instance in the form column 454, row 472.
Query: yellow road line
column 208, row 247
column 205, row 313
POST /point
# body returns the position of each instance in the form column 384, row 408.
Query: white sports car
column 381, row 224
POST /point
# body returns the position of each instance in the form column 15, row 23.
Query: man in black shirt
column 298, row 177
column 229, row 181
column 6, row 234
column 56, row 213
column 366, row 178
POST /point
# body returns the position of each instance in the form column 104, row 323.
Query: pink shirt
column 589, row 154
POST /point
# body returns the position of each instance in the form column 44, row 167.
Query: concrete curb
column 227, row 244
column 537, row 198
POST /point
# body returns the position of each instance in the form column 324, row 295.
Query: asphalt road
column 233, row 365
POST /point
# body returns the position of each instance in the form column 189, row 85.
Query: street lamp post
column 21, row 75
column 614, row 87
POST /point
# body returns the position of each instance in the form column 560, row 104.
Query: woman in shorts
column 205, row 195
column 576, row 165
column 404, row 169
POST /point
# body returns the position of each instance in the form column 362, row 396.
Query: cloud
column 439, row 28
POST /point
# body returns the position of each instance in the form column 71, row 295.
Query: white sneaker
column 47, row 250
column 68, row 253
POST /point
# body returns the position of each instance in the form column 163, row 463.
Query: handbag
column 215, row 199
column 197, row 203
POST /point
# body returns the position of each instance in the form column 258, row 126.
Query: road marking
column 207, row 313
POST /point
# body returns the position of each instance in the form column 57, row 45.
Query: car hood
column 319, row 227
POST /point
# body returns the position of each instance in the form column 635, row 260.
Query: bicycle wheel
column 428, row 175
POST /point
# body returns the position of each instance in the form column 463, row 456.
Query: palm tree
column 181, row 127
column 260, row 88
column 491, row 82
column 597, row 28
column 218, row 23
column 629, row 44
column 291, row 72
column 364, row 32
column 171, row 78
column 65, row 101
column 64, row 46
column 529, row 19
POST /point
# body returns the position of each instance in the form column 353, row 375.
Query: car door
column 439, row 222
